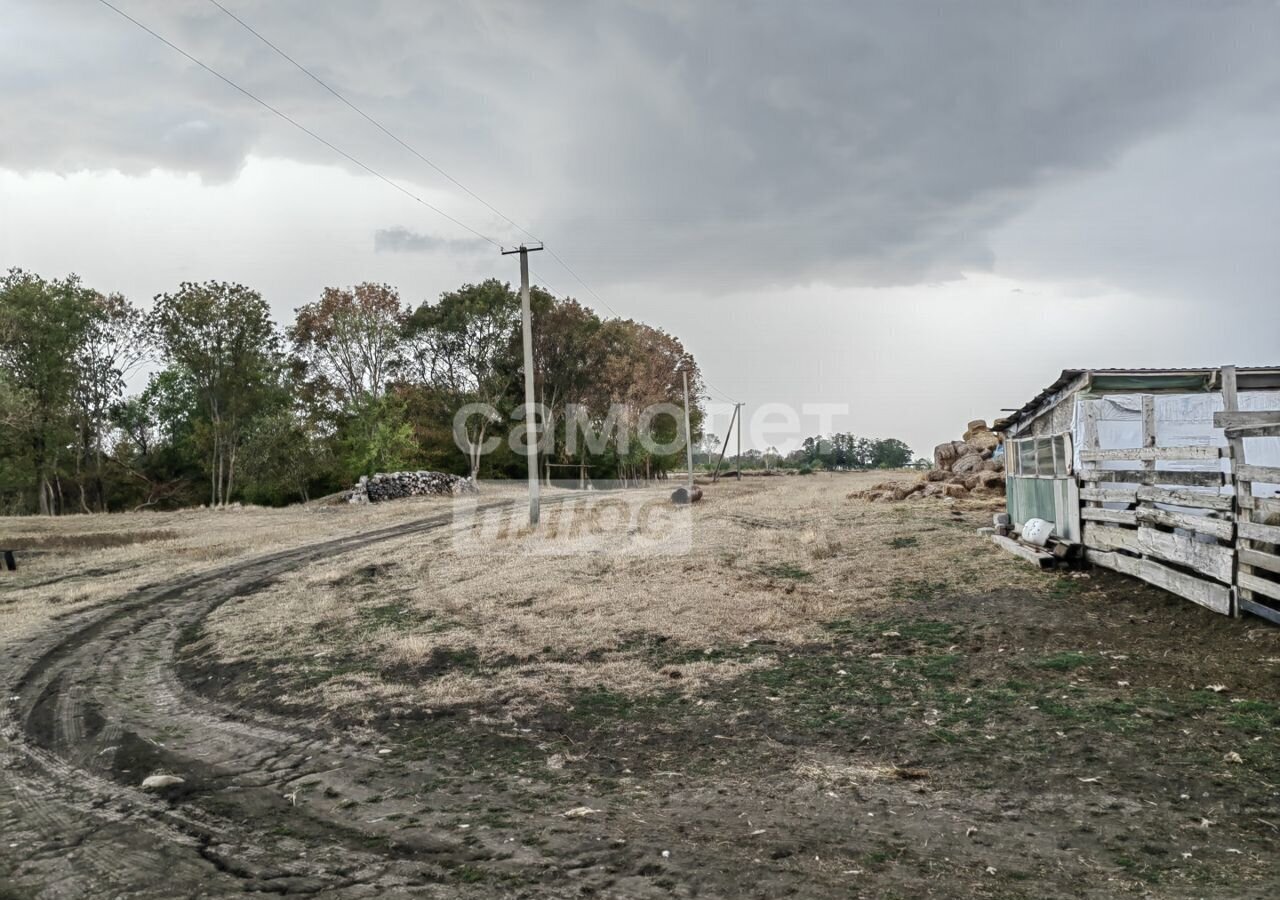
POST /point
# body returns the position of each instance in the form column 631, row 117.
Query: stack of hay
column 395, row 485
column 964, row 468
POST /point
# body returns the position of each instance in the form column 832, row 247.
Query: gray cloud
column 399, row 239
column 713, row 145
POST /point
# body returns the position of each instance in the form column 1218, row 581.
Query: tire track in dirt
column 93, row 705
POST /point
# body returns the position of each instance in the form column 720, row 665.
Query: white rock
column 160, row 782
column 579, row 812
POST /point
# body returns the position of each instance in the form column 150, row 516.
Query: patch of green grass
column 395, row 615
column 786, row 570
column 601, row 703
column 1064, row 587
column 1065, row 661
column 1254, row 716
column 920, row 591
column 925, row 631
column 901, row 543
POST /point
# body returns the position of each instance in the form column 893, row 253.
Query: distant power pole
column 531, row 427
column 688, row 434
column 738, row 410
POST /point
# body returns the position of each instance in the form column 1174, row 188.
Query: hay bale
column 958, row 491
column 968, row 464
column 944, row 455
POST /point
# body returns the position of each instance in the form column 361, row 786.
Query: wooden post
column 715, row 476
column 1243, row 488
column 739, row 444
column 1148, row 440
column 688, row 436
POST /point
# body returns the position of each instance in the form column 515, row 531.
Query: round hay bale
column 944, row 455
column 682, row 495
column 983, row 440
column 966, row 465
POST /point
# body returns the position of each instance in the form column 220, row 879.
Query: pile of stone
column 396, row 485
column 961, row 469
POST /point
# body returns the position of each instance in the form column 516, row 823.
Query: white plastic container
column 1037, row 532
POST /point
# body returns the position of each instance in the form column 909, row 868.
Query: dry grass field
column 804, row 695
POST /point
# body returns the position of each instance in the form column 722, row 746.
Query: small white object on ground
column 666, row 854
column 1037, row 532
column 1233, row 757
column 160, row 782
column 578, row 812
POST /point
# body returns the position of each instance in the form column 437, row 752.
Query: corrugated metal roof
column 1070, row 375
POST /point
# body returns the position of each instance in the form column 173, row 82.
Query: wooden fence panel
column 1256, row 558
column 1147, row 541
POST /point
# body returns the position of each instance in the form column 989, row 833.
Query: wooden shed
column 1168, row 475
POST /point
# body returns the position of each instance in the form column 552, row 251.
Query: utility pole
column 688, row 434
column 737, row 408
column 531, row 427
column 715, row 476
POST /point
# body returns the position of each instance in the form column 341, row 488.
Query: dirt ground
column 793, row 693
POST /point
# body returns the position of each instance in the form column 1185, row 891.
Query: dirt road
column 93, row 706
column 914, row 715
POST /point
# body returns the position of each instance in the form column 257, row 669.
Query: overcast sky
column 921, row 210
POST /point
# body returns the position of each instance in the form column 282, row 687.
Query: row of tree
column 847, row 451
column 236, row 409
column 837, row 452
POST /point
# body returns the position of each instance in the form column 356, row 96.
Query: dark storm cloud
column 709, row 144
column 399, row 239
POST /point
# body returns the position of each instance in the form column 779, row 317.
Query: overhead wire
column 375, row 122
column 360, row 163
column 409, row 147
column 298, row 125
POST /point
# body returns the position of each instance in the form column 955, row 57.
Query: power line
column 601, row 300
column 298, row 125
column 374, row 122
column 279, row 113
column 406, row 145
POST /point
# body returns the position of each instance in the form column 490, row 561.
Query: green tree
column 114, row 345
column 375, row 437
column 350, row 341
column 43, row 325
column 892, row 453
column 222, row 338
column 464, row 347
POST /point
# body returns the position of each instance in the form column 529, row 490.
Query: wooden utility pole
column 725, row 446
column 531, row 427
column 688, row 434
column 737, row 408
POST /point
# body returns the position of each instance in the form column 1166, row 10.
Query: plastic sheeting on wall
column 1182, row 420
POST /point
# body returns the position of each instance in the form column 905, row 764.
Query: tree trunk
column 231, row 476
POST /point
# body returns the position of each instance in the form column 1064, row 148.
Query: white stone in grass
column 160, row 782
column 579, row 812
